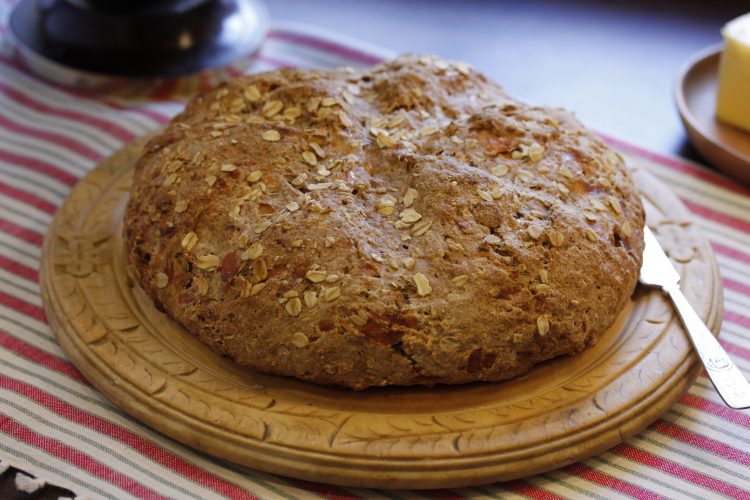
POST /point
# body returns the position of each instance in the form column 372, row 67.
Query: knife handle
column 724, row 374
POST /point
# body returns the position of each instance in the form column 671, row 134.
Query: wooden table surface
column 612, row 62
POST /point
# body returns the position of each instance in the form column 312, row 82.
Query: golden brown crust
column 411, row 224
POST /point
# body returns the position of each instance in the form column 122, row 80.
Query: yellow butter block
column 733, row 102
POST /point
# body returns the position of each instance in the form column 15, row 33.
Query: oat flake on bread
column 410, row 224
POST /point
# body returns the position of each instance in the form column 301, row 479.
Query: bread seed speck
column 345, row 120
column 313, row 104
column 484, row 194
column 247, row 287
column 171, row 178
column 261, row 227
column 360, row 318
column 318, row 150
column 310, row 158
column 271, row 135
column 253, row 252
column 292, row 113
column 189, row 241
column 260, row 270
column 299, row 180
column 181, row 206
column 454, row 246
column 423, row 284
column 310, row 297
column 257, row 288
column 535, row 152
column 201, row 284
column 626, row 228
column 615, row 204
column 428, row 130
column 556, row 238
column 491, row 239
column 499, row 170
column 410, row 216
column 316, row 275
column 386, row 206
column 300, row 340
column 161, row 280
column 542, row 324
column 254, row 176
column 331, row 294
column 534, row 232
column 384, row 141
column 598, row 205
column 460, row 280
column 294, row 307
column 395, row 122
column 421, row 227
column 272, row 108
column 410, row 196
column 207, row 262
column 252, row 93
column 228, row 167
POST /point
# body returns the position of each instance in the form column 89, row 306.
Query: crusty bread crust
column 411, row 224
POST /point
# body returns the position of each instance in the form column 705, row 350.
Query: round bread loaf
column 408, row 224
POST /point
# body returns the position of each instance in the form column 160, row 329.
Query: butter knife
column 658, row 271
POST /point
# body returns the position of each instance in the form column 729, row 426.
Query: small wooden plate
column 560, row 412
column 726, row 147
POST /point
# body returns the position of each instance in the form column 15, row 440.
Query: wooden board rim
column 369, row 471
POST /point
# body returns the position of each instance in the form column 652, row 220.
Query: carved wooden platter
column 561, row 412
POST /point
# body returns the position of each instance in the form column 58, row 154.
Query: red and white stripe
column 54, row 424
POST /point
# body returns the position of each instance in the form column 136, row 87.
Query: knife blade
column 657, row 271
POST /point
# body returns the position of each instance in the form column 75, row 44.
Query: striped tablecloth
column 55, row 426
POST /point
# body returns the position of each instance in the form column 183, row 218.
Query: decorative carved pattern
column 562, row 411
column 78, row 258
